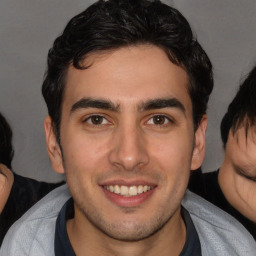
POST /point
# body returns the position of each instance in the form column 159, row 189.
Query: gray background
column 225, row 28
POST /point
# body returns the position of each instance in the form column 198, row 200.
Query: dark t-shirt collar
column 62, row 245
column 192, row 246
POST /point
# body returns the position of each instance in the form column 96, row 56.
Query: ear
column 53, row 147
column 199, row 144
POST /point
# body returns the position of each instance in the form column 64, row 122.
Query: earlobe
column 199, row 144
column 53, row 148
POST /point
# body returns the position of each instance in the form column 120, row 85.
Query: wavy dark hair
column 6, row 149
column 242, row 109
column 111, row 24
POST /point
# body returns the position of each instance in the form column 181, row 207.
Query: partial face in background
column 6, row 182
column 241, row 149
column 127, row 140
column 241, row 153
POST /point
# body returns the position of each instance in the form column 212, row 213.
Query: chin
column 132, row 230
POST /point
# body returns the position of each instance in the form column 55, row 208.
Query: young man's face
column 127, row 141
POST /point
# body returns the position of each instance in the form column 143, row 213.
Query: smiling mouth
column 128, row 191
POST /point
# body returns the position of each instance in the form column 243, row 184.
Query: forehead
column 128, row 76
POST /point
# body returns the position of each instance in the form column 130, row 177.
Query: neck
column 86, row 239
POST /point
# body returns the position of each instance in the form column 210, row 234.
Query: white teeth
column 116, row 189
column 133, row 191
column 128, row 191
column 124, row 191
column 140, row 189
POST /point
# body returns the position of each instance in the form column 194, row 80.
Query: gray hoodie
column 219, row 233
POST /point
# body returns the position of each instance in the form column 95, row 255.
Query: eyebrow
column 145, row 106
column 94, row 103
column 162, row 103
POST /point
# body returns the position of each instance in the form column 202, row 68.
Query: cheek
column 173, row 151
column 81, row 146
column 173, row 160
column 84, row 153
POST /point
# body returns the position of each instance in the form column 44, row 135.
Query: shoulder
column 211, row 177
column 219, row 233
column 206, row 185
column 33, row 233
column 202, row 183
column 38, row 189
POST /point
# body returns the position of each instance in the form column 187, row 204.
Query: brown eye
column 96, row 120
column 159, row 120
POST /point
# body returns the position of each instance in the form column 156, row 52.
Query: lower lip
column 131, row 201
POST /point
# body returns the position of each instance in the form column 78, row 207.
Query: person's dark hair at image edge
column 6, row 150
column 242, row 110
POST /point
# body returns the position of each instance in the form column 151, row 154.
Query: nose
column 129, row 149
